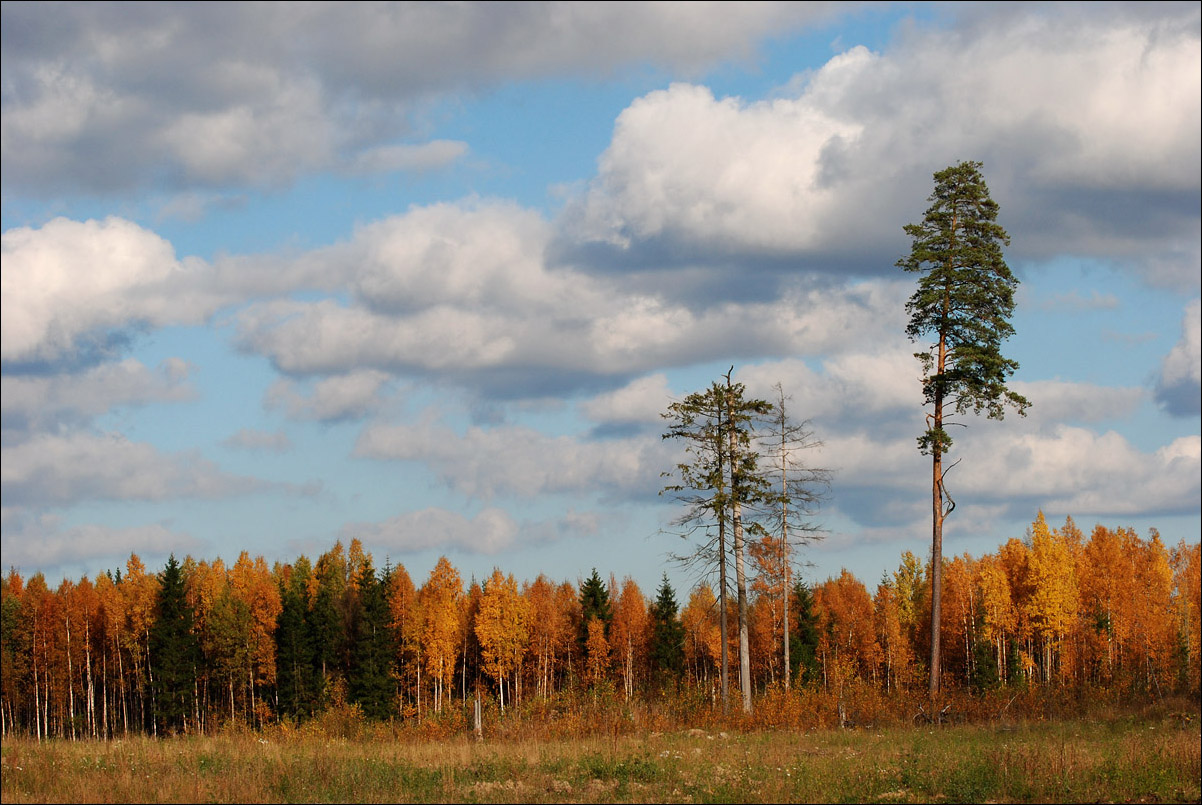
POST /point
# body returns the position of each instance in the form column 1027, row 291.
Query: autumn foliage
column 200, row 646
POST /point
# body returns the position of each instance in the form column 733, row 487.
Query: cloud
column 862, row 408
column 69, row 286
column 248, row 439
column 41, row 402
column 1179, row 386
column 392, row 158
column 881, row 385
column 491, row 531
column 865, row 410
column 258, row 143
column 1074, row 301
column 463, row 290
column 483, row 463
column 1102, row 160
column 641, row 401
column 49, row 469
column 1002, row 471
column 1064, row 401
column 44, row 545
column 1058, row 466
column 688, row 168
column 340, row 397
column 107, row 98
column 191, row 206
column 473, row 253
column 1075, row 470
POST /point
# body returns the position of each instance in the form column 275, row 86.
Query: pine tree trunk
column 722, row 625
column 936, row 566
column 937, row 513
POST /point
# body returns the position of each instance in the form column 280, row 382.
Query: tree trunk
column 124, row 701
column 736, row 518
column 37, row 706
column 70, row 679
column 87, row 642
column 937, row 508
column 936, row 564
column 105, row 732
column 784, row 552
column 722, row 625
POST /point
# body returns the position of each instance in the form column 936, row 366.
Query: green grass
column 1149, row 758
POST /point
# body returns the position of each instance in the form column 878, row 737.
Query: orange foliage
column 891, row 635
column 550, row 632
column 628, row 633
column 440, row 599
column 703, row 635
column 845, row 616
column 503, row 628
column 597, row 646
column 1116, row 612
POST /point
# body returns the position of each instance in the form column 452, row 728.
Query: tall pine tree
column 964, row 301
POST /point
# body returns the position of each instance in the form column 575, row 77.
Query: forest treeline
column 199, row 645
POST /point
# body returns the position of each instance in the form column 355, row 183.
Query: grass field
column 1146, row 757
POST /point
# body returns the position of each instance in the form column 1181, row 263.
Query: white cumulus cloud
column 69, row 285
column 52, row 469
column 1086, row 123
column 1179, row 387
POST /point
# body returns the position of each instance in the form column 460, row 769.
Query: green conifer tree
column 594, row 603
column 803, row 640
column 964, row 301
column 296, row 678
column 666, row 652
column 372, row 646
column 174, row 652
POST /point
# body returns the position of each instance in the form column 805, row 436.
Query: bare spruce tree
column 798, row 491
column 718, row 481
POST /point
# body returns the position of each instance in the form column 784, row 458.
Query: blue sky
column 426, row 275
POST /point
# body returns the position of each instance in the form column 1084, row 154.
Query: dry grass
column 1147, row 757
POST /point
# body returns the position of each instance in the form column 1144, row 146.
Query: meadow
column 1148, row 754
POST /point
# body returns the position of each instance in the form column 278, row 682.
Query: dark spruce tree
column 666, row 653
column 372, row 647
column 174, row 653
column 983, row 675
column 297, row 677
column 803, row 639
column 594, row 603
column 961, row 309
column 327, row 630
column 16, row 648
